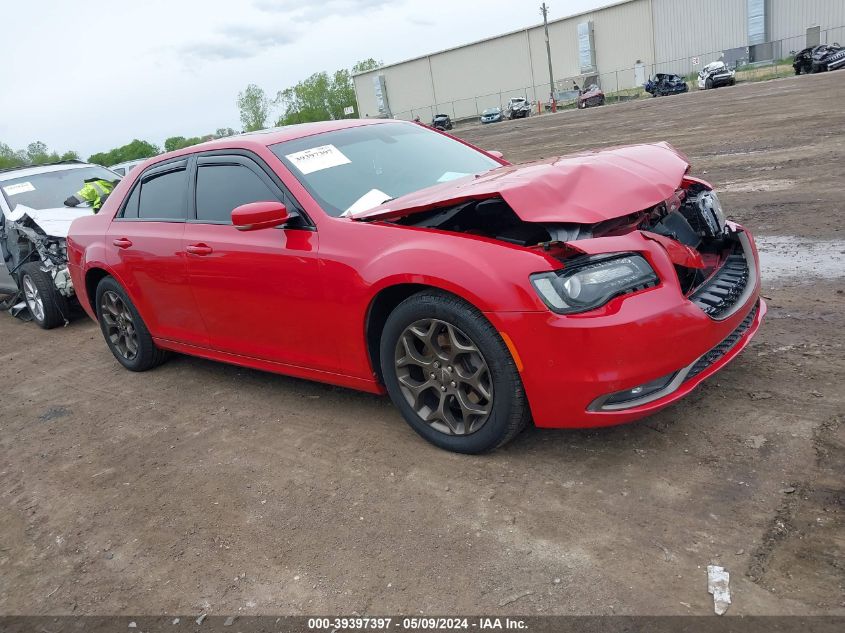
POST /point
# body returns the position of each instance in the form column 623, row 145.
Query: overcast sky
column 88, row 76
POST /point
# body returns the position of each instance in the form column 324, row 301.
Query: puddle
column 749, row 186
column 784, row 256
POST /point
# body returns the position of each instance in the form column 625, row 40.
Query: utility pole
column 545, row 11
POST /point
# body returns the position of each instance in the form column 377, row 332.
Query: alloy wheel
column 119, row 325
column 444, row 377
column 33, row 298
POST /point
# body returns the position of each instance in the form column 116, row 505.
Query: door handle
column 199, row 249
column 122, row 242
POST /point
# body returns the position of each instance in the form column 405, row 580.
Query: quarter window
column 131, row 209
column 221, row 188
column 163, row 197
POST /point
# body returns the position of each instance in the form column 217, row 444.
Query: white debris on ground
column 718, row 584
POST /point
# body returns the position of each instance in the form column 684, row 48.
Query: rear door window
column 221, row 188
column 163, row 196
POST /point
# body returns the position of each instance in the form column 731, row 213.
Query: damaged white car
column 33, row 229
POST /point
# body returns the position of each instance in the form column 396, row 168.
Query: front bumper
column 572, row 364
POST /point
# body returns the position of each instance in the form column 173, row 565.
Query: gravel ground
column 201, row 487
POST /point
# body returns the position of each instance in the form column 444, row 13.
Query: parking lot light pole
column 545, row 11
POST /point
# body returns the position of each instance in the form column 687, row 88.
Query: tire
column 123, row 328
column 458, row 335
column 47, row 307
column 708, row 84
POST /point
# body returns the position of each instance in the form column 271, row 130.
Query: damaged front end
column 713, row 258
column 22, row 241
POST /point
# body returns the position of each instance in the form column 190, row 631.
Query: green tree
column 254, row 108
column 70, row 155
column 36, row 153
column 179, row 142
column 8, row 157
column 223, row 132
column 366, row 64
column 131, row 151
column 321, row 97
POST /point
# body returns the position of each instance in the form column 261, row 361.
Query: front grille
column 718, row 295
column 724, row 347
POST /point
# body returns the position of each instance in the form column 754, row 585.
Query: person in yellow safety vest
column 94, row 192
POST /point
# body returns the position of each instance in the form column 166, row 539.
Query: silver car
column 121, row 169
column 34, row 224
column 491, row 115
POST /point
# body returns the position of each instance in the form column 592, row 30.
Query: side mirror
column 496, row 153
column 259, row 215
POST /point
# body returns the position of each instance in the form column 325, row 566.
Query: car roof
column 271, row 136
column 300, row 130
column 31, row 170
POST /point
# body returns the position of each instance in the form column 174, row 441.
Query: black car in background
column 819, row 59
column 665, row 84
column 441, row 122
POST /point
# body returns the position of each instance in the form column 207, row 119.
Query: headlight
column 712, row 212
column 592, row 282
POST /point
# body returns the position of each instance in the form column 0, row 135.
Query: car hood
column 581, row 188
column 53, row 222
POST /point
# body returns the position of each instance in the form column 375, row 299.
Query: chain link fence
column 627, row 83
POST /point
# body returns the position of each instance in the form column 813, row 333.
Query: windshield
column 352, row 170
column 49, row 190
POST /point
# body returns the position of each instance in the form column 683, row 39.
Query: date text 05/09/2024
column 415, row 623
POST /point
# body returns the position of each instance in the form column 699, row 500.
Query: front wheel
column 450, row 374
column 47, row 307
column 125, row 332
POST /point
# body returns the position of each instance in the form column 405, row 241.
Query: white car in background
column 33, row 231
column 716, row 75
column 121, row 169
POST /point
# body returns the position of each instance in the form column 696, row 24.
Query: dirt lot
column 201, row 487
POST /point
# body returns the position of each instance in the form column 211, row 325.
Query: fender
column 464, row 271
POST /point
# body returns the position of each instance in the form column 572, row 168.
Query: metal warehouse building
column 618, row 46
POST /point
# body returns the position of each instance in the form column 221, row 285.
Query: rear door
column 144, row 243
column 260, row 293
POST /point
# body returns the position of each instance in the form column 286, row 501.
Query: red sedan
column 581, row 291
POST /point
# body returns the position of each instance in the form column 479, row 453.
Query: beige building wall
column 691, row 28
column 469, row 79
column 622, row 36
column 790, row 21
column 665, row 35
column 466, row 80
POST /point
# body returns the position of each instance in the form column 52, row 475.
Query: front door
column 259, row 292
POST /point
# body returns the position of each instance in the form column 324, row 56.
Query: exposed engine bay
column 25, row 241
column 707, row 253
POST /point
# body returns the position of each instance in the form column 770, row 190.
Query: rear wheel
column 125, row 332
column 450, row 374
column 45, row 304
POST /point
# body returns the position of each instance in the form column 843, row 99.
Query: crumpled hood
column 581, row 188
column 53, row 222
